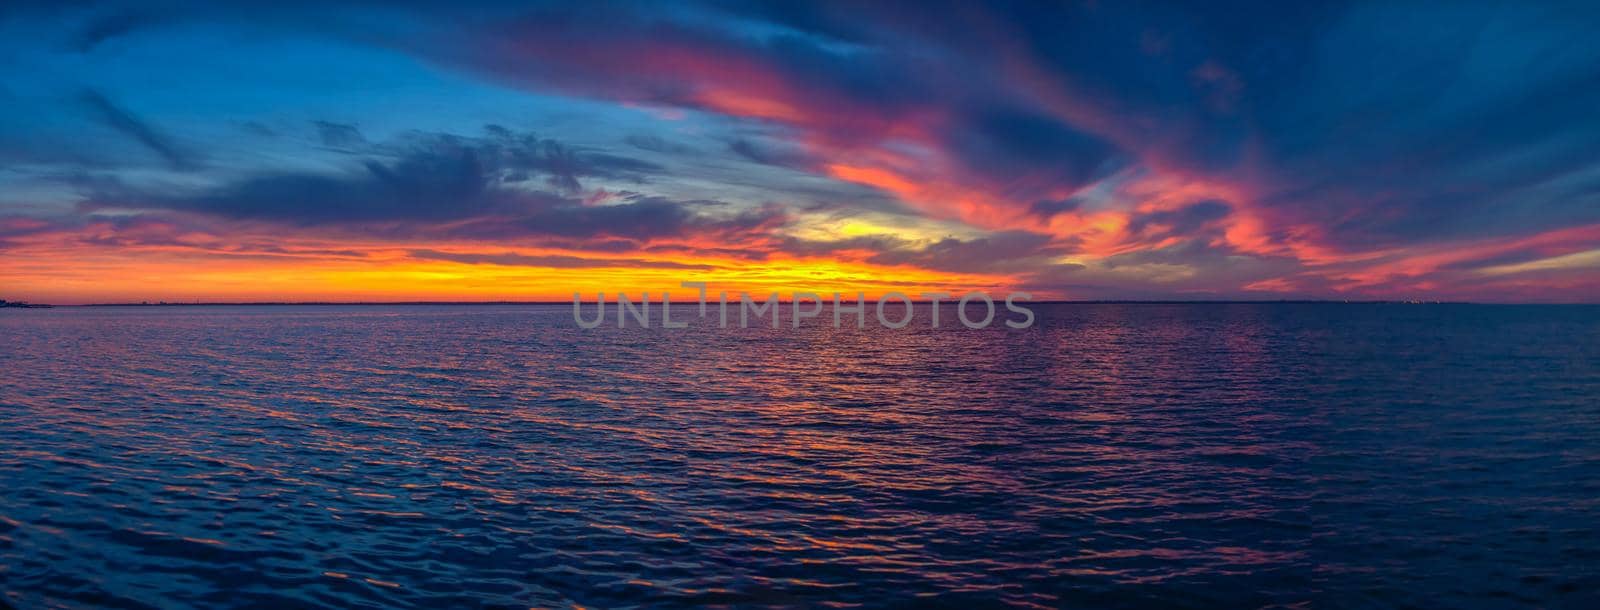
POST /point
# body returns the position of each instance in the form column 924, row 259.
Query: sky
column 365, row 151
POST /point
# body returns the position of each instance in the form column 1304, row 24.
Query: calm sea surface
column 497, row 456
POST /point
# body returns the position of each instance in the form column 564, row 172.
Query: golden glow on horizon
column 391, row 275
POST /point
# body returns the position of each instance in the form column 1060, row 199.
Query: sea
column 499, row 456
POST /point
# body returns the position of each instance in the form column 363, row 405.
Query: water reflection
column 497, row 456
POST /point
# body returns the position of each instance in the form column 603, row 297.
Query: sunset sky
column 359, row 151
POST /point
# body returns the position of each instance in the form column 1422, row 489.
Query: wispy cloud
column 118, row 118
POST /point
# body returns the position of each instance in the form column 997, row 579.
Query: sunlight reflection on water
column 1115, row 455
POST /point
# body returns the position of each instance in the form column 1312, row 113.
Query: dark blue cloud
column 998, row 252
column 1013, row 149
column 115, row 117
column 764, row 154
column 445, row 186
column 552, row 261
column 340, row 136
column 1186, row 221
column 1045, row 209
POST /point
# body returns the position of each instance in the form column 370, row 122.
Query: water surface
column 497, row 456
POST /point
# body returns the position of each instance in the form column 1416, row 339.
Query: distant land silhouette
column 23, row 305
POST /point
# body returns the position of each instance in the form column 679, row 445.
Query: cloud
column 438, row 181
column 656, row 144
column 15, row 228
column 562, row 165
column 433, row 177
column 1189, row 269
column 643, row 220
column 340, row 136
column 1186, row 221
column 997, row 252
column 1021, row 154
column 767, row 155
column 440, row 186
column 551, row 261
column 1045, row 209
column 1002, row 252
column 112, row 25
column 121, row 120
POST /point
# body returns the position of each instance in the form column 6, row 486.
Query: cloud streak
column 115, row 117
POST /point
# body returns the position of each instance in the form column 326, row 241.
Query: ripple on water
column 1115, row 455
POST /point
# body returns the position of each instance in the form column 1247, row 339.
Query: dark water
column 1115, row 456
